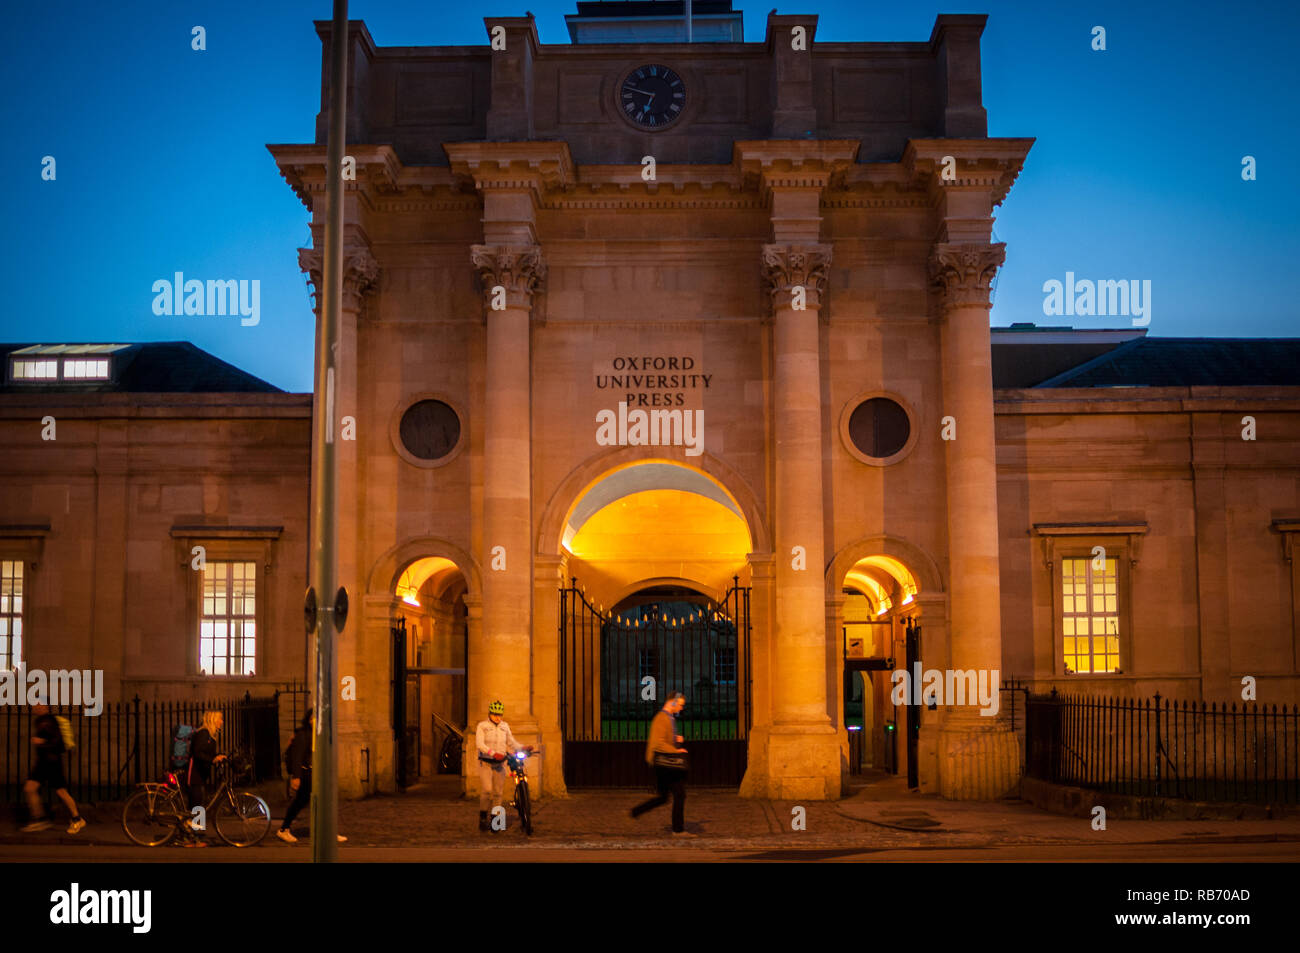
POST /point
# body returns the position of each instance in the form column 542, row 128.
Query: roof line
column 1061, row 378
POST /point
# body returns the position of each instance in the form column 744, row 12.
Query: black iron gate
column 406, row 710
column 912, row 657
column 618, row 667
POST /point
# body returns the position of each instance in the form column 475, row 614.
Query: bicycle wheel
column 522, row 806
column 244, row 821
column 150, row 817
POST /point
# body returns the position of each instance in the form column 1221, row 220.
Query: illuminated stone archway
column 874, row 586
column 434, row 586
column 630, row 519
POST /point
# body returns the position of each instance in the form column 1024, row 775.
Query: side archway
column 388, row 568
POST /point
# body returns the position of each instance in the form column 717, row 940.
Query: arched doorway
column 657, row 601
column 879, row 633
column 430, row 649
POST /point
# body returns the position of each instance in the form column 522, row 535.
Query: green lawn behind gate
column 703, row 729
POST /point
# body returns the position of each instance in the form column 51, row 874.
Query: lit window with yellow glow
column 1090, row 615
column 11, row 614
column 228, row 626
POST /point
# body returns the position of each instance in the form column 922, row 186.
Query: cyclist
column 494, row 741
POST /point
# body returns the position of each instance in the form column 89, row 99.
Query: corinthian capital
column 788, row 268
column 518, row 269
column 360, row 273
column 962, row 273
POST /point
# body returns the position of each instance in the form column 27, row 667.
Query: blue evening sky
column 162, row 165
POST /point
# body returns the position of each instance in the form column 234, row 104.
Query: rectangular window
column 85, row 370
column 227, row 622
column 1090, row 615
column 647, row 663
column 11, row 614
column 724, row 666
column 35, row 370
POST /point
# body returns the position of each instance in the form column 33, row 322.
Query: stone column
column 510, row 273
column 978, row 756
column 799, row 755
column 364, row 650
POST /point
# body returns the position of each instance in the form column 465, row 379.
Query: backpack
column 182, row 738
column 65, row 730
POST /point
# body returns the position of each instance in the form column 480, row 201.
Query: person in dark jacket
column 203, row 755
column 298, row 760
column 47, row 769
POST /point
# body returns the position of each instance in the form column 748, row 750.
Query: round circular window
column 877, row 429
column 429, row 430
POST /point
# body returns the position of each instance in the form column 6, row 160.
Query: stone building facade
column 739, row 357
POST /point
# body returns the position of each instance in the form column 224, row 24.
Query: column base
column 979, row 760
column 794, row 763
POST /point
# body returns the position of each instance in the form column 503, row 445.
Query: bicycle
column 522, row 805
column 157, row 811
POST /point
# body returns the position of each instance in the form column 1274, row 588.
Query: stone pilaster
column 510, row 274
column 363, row 650
column 978, row 757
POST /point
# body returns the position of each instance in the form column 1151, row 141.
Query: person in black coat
column 298, row 761
column 203, row 755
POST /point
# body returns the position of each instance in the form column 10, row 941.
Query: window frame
column 846, row 439
column 25, row 543
column 253, row 544
column 1123, row 542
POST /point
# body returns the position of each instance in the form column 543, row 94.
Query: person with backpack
column 297, row 763
column 48, row 738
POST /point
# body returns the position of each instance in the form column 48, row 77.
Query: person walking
column 662, row 748
column 198, row 775
column 298, row 761
column 494, row 740
column 47, row 769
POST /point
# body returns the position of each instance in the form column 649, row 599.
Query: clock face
column 653, row 97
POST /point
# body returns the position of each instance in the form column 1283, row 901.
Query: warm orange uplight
column 881, row 579
column 419, row 572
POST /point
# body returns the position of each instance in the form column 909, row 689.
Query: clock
column 652, row 97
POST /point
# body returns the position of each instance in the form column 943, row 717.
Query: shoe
column 77, row 824
column 286, row 836
column 684, row 834
column 41, row 825
column 195, row 843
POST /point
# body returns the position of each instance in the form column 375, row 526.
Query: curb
column 1079, row 802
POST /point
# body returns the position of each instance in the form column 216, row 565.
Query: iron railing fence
column 1195, row 750
column 130, row 742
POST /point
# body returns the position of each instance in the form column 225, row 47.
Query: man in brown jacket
column 665, row 739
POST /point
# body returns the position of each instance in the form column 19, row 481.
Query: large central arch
column 565, row 499
column 645, row 520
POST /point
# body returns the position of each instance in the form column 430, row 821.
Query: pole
column 324, row 556
column 690, row 29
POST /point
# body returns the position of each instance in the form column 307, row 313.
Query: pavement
column 881, row 816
